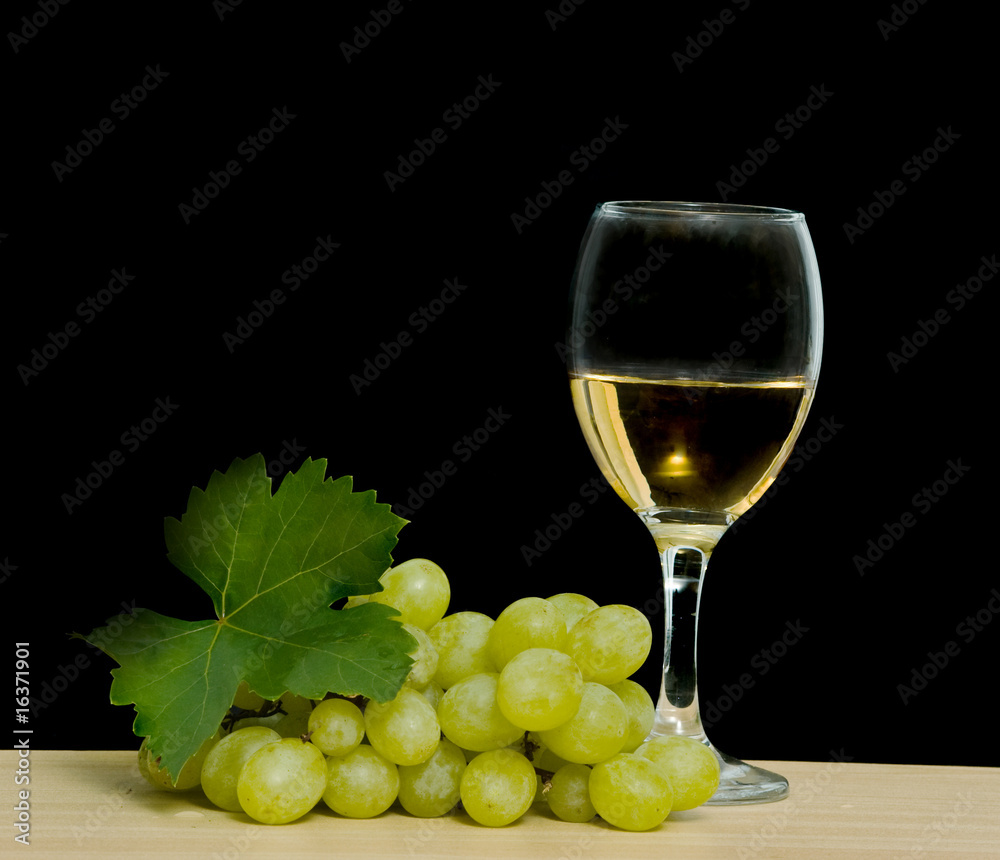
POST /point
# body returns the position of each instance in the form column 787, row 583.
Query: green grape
column 692, row 767
column 221, row 768
column 539, row 689
column 336, row 726
column 361, row 784
column 539, row 789
column 433, row 692
column 569, row 795
column 641, row 712
column 418, row 589
column 431, row 788
column 497, row 787
column 295, row 719
column 630, row 792
column 282, row 781
column 596, row 731
column 460, row 640
column 530, row 622
column 267, row 722
column 471, row 718
column 544, row 759
column 469, row 754
column 537, row 752
column 190, row 773
column 610, row 643
column 425, row 658
column 573, row 606
column 405, row 730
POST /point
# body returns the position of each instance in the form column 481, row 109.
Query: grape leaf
column 272, row 565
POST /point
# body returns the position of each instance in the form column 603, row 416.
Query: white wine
column 689, row 445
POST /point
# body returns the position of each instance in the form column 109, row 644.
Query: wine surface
column 689, row 446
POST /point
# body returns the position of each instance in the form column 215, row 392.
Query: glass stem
column 685, row 549
column 677, row 709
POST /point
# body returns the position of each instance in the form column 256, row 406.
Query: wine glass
column 696, row 332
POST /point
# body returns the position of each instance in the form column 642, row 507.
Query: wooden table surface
column 95, row 804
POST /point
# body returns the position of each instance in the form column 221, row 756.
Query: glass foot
column 740, row 782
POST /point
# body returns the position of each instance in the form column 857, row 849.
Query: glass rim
column 717, row 210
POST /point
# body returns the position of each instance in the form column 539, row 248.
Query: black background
column 682, row 131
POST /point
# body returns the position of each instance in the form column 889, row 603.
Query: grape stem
column 235, row 714
column 546, row 776
column 358, row 700
column 530, row 747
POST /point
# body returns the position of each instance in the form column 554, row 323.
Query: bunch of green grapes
column 537, row 705
column 276, row 761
